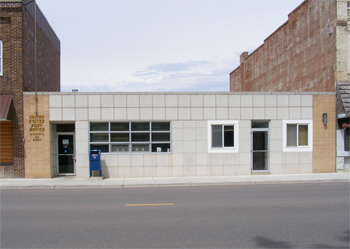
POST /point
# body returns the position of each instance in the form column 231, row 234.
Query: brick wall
column 324, row 144
column 299, row 56
column 48, row 59
column 12, row 82
column 17, row 34
column 37, row 143
column 343, row 41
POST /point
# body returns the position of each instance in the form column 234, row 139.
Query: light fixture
column 324, row 117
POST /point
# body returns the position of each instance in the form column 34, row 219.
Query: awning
column 5, row 105
column 343, row 99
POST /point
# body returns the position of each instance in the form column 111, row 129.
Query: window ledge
column 260, row 173
column 297, row 149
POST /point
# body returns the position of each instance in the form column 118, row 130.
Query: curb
column 191, row 182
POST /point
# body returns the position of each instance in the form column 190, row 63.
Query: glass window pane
column 216, row 136
column 160, row 147
column 99, row 137
column 140, row 126
column 260, row 160
column 161, row 126
column 98, row 126
column 119, row 126
column 260, row 124
column 291, row 135
column 303, row 135
column 140, row 137
column 101, row 147
column 119, row 137
column 140, row 147
column 347, row 139
column 228, row 136
column 120, row 148
column 65, row 127
column 260, row 140
column 160, row 136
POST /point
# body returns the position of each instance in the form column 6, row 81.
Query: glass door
column 260, row 146
column 66, row 154
column 260, row 150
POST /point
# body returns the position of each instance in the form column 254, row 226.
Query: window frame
column 346, row 139
column 223, row 149
column 298, row 148
column 131, row 145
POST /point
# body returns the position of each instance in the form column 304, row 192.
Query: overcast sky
column 164, row 45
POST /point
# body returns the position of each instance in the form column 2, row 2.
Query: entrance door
column 66, row 154
column 260, row 147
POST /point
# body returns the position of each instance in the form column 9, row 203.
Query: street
column 303, row 215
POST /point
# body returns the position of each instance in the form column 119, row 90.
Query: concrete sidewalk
column 73, row 182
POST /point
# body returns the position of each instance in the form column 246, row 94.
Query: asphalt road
column 308, row 215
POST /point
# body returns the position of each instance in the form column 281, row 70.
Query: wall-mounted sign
column 36, row 126
column 346, row 125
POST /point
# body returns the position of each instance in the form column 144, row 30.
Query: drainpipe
column 35, row 67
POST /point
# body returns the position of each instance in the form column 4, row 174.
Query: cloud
column 174, row 67
column 189, row 76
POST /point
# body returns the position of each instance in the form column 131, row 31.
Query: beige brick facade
column 37, row 137
column 342, row 41
column 324, row 135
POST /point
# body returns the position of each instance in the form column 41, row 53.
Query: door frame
column 58, row 155
column 268, row 150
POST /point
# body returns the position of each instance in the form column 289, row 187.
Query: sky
column 158, row 45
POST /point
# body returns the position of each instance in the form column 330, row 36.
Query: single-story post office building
column 179, row 134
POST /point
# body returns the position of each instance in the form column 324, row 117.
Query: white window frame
column 1, row 59
column 341, row 143
column 298, row 148
column 234, row 149
column 130, row 143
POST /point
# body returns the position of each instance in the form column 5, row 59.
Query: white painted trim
column 234, row 149
column 298, row 148
column 341, row 143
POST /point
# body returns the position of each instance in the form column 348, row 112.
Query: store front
column 177, row 134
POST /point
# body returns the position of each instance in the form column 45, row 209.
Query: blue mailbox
column 95, row 161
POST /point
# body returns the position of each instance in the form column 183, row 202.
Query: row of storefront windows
column 124, row 137
column 148, row 137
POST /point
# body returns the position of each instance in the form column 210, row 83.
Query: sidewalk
column 72, row 182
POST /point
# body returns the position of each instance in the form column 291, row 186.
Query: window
column 346, row 139
column 222, row 136
column 1, row 59
column 297, row 135
column 130, row 137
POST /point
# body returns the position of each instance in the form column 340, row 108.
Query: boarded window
column 6, row 142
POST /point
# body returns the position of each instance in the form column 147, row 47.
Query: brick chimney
column 243, row 56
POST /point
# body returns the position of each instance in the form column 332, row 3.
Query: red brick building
column 30, row 60
column 310, row 52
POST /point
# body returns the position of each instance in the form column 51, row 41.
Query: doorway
column 260, row 146
column 66, row 154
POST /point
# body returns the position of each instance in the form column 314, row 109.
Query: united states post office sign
column 36, row 126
